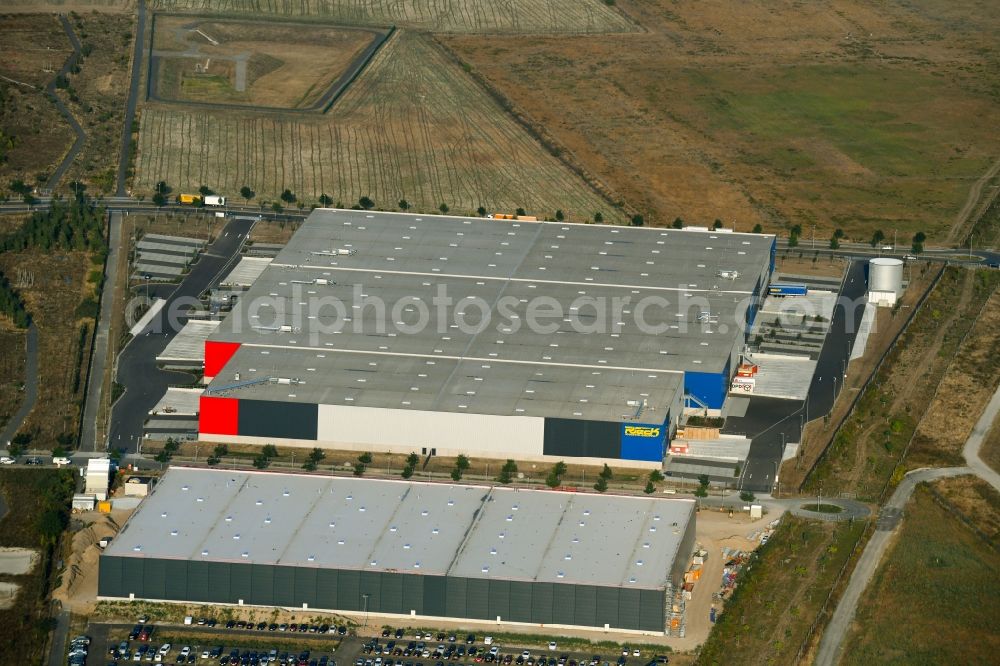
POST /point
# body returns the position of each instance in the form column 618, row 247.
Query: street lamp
column 365, row 598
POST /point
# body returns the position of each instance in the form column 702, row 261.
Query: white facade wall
column 406, row 430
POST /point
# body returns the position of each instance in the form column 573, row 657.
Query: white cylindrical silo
column 885, row 275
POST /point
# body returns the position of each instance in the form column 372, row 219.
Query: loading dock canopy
column 408, row 527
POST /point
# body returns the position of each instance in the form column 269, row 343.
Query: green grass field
column 935, row 597
column 861, row 145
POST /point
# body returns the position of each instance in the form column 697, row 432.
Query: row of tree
column 67, row 225
column 11, row 304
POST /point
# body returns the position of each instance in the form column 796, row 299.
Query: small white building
column 138, row 486
column 98, row 478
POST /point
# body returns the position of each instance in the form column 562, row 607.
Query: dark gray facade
column 382, row 592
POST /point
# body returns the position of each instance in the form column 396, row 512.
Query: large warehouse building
column 494, row 338
column 403, row 548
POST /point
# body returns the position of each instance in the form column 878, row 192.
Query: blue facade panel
column 708, row 387
column 643, row 441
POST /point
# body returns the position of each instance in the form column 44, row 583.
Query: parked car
column 7, row 460
column 61, row 460
column 33, row 461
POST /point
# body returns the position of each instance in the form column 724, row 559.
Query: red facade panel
column 217, row 354
column 219, row 416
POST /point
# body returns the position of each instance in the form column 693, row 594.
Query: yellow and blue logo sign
column 643, row 441
column 641, row 431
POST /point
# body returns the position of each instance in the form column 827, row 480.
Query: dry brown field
column 850, row 114
column 413, row 126
column 59, row 284
column 33, row 136
column 284, row 65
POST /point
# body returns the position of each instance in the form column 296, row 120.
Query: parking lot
column 236, row 642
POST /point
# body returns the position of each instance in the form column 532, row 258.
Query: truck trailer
column 188, row 198
column 786, row 289
column 215, row 201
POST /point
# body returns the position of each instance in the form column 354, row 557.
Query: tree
column 365, row 458
column 793, row 240
column 412, row 460
column 703, row 480
column 481, row 211
column 407, row 472
column 325, row 200
column 758, row 228
column 747, row 496
column 834, row 242
column 559, row 215
column 220, row 450
column 462, row 462
column 443, row 208
column 287, row 196
column 456, row 474
column 19, row 444
column 316, row 455
column 598, row 218
column 261, row 461
column 877, row 237
column 650, row 488
column 520, row 212
column 701, row 491
column 247, row 193
column 205, row 191
column 269, row 450
column 718, row 224
column 552, row 480
column 359, row 469
column 161, row 187
column 656, row 476
column 309, row 465
column 366, row 203
column 606, row 473
column 838, row 233
column 918, row 242
column 276, row 207
column 507, row 472
column 51, row 523
column 159, row 199
column 162, row 457
column 404, row 204
column 560, row 468
column 601, row 485
column 796, row 230
column 678, row 223
column 637, row 220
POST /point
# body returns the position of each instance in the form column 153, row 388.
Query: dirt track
column 972, row 204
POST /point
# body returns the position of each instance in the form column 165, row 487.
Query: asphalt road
column 772, row 422
column 81, row 136
column 133, row 96
column 57, row 651
column 144, row 382
column 889, row 518
column 99, row 353
column 975, row 441
column 30, row 388
column 833, row 638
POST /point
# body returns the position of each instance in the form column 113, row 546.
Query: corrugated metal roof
column 381, row 525
column 307, row 313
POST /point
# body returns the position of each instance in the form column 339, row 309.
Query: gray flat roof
column 246, row 272
column 189, row 343
column 410, row 527
column 315, row 298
